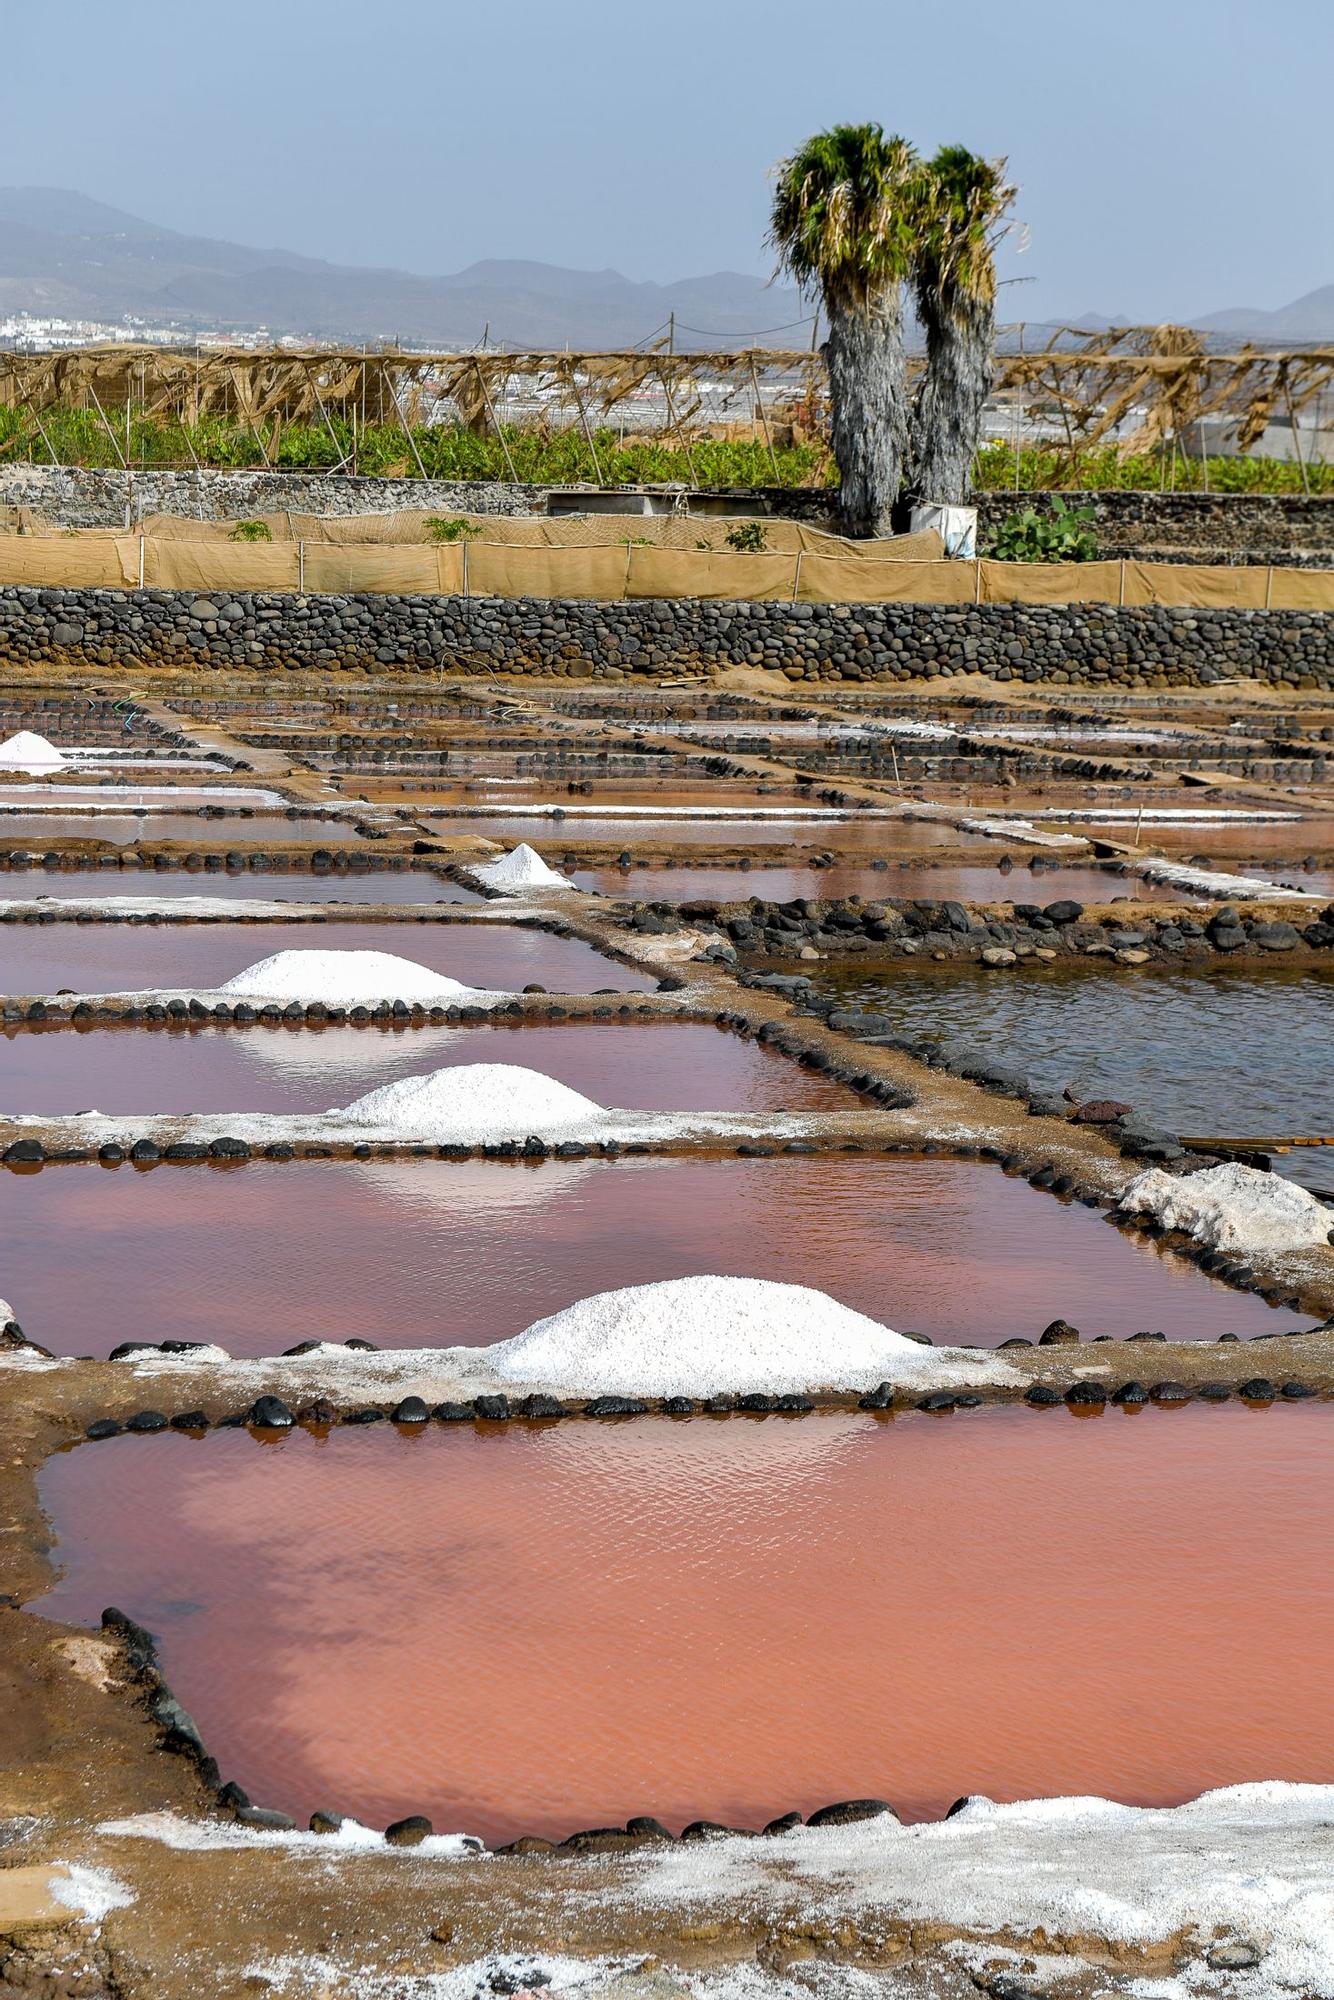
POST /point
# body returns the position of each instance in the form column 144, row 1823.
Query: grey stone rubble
column 1059, row 645
column 809, row 925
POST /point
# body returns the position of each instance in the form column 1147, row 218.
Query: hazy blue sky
column 1174, row 155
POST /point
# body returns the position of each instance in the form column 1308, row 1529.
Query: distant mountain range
column 63, row 255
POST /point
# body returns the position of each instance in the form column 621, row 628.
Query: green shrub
column 748, row 537
column 1046, row 534
column 251, row 531
column 457, row 530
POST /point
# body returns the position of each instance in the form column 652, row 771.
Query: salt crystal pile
column 476, row 1104
column 697, row 1336
column 522, row 868
column 29, row 752
column 344, row 979
column 1232, row 1208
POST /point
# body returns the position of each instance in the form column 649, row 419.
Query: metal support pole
column 491, row 414
column 115, row 441
column 1296, row 437
column 671, row 418
column 31, row 408
column 407, row 429
column 759, row 405
column 588, row 435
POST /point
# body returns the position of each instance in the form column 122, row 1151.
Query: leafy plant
column 1055, row 534
column 251, row 531
column 456, row 530
column 749, row 537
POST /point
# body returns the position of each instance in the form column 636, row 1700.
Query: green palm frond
column 962, row 220
column 847, row 213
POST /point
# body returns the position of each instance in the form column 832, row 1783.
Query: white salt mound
column 694, row 1336
column 1232, row 1208
column 29, row 752
column 477, row 1102
column 344, row 979
column 522, row 868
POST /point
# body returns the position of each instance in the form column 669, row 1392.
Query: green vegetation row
column 564, row 457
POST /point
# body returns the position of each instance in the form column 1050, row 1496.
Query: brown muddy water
column 861, row 835
column 1227, row 843
column 122, row 958
column 132, row 829
column 416, row 885
column 557, row 1627
column 898, row 880
column 649, row 1066
column 434, row 1253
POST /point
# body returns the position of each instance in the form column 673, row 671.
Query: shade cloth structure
column 610, row 574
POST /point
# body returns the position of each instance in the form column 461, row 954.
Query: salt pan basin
column 43, row 959
column 425, row 1253
column 654, row 1064
column 578, row 1622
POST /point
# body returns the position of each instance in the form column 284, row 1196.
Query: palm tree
column 954, row 279
column 846, row 219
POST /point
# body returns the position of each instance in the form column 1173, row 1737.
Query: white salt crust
column 703, row 1335
column 1250, row 888
column 344, row 979
column 682, row 1336
column 521, row 869
column 1250, row 1861
column 90, row 1892
column 1253, row 1861
column 1232, row 1208
column 477, row 1101
column 29, row 752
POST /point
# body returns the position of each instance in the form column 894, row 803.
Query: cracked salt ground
column 433, row 1253
column 339, row 1615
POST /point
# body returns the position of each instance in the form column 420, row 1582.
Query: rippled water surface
column 551, row 1628
column 127, row 829
column 862, row 835
column 415, row 885
column 436, row 1253
column 647, row 1066
column 123, row 958
column 939, row 884
column 1218, row 1053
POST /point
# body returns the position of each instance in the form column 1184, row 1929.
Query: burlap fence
column 625, row 569
column 413, row 527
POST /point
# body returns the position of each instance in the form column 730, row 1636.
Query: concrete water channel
column 527, row 1615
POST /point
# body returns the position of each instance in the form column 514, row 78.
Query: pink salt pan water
column 546, row 1628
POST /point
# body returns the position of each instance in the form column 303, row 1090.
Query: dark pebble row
column 960, row 931
column 271, row 1413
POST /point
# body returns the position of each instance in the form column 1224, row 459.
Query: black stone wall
column 1061, row 645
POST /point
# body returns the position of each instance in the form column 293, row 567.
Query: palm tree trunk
column 947, row 422
column 868, row 412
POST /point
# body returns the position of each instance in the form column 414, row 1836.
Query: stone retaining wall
column 1283, row 528
column 1062, row 645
